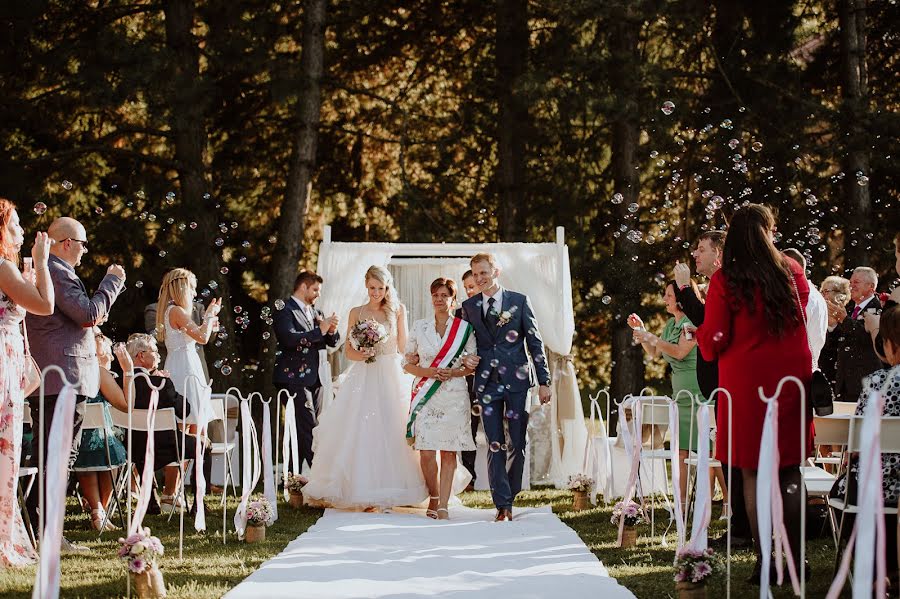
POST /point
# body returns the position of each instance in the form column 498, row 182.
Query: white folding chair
column 30, row 473
column 890, row 443
column 95, row 419
column 655, row 413
column 832, row 430
column 223, row 435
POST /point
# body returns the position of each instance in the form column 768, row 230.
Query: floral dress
column 15, row 546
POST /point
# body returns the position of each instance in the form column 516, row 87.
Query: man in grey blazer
column 65, row 338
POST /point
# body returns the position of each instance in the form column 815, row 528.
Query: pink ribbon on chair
column 635, row 440
column 147, row 476
column 290, row 447
column 676, row 472
column 703, row 499
column 268, row 469
column 46, row 585
column 249, row 447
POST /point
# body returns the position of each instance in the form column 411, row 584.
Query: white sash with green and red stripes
column 425, row 388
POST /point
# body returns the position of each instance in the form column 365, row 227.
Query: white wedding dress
column 361, row 456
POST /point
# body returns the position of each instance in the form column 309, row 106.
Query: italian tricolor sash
column 425, row 388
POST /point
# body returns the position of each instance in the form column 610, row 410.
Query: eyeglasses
column 83, row 243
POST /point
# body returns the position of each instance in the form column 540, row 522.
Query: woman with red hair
column 19, row 294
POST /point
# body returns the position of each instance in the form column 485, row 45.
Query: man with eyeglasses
column 65, row 338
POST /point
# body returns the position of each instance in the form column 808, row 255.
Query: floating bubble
column 733, row 143
column 40, row 208
column 862, row 180
column 494, row 446
column 213, row 285
column 193, row 225
column 633, row 207
column 726, row 124
column 511, row 337
column 138, row 284
column 494, row 363
column 266, row 335
column 170, row 198
column 668, row 107
column 162, row 253
column 238, row 309
column 272, row 239
column 501, row 370
column 481, row 388
column 718, row 336
column 522, row 373
column 618, row 198
column 486, row 398
column 504, row 447
column 245, row 244
column 226, row 370
column 756, row 146
column 488, row 410
column 476, row 410
column 206, row 196
column 224, row 270
column 98, row 210
column 219, row 242
column 67, row 185
column 606, row 299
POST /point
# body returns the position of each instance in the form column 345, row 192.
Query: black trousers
column 468, row 457
column 33, row 502
column 304, row 417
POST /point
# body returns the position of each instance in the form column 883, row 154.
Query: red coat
column 749, row 357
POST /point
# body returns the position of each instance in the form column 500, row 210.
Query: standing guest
column 856, row 357
column 302, row 331
column 836, row 290
column 101, row 449
column 181, row 336
column 753, row 318
column 816, row 312
column 443, row 424
column 196, row 315
column 65, row 338
column 872, row 320
column 680, row 352
column 32, row 293
column 708, row 260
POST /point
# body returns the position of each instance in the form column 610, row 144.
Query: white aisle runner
column 405, row 555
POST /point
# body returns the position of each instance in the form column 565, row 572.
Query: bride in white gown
column 361, row 458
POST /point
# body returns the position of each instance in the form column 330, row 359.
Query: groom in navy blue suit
column 302, row 330
column 504, row 326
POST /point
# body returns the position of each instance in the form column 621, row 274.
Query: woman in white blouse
column 440, row 414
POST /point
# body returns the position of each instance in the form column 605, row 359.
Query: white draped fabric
column 540, row 270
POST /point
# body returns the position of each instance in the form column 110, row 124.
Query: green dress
column 684, row 376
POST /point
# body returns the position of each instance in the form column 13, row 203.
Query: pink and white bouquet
column 631, row 511
column 259, row 512
column 580, row 483
column 692, row 565
column 295, row 483
column 366, row 334
column 140, row 551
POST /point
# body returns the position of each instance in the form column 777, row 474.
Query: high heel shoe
column 443, row 513
column 430, row 513
column 99, row 521
column 726, row 512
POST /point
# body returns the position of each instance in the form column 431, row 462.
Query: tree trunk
column 628, row 366
column 189, row 138
column 512, row 62
column 855, row 109
column 295, row 204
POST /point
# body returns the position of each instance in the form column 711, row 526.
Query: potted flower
column 141, row 553
column 294, row 484
column 633, row 515
column 259, row 514
column 580, row 485
column 692, row 568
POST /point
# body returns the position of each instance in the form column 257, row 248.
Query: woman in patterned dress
column 18, row 294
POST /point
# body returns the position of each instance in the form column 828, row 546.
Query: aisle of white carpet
column 405, row 555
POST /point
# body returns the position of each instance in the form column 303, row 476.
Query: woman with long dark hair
column 754, row 327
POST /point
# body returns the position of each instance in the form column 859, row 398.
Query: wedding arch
column 540, row 270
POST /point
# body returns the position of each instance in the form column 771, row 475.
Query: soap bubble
column 618, row 198
column 226, row 370
column 476, row 410
column 67, row 185
column 606, row 299
column 668, row 107
column 219, row 242
column 756, row 146
column 718, row 336
column 522, row 373
column 138, row 284
column 224, row 270
column 40, row 208
column 495, row 362
column 494, row 446
column 511, row 337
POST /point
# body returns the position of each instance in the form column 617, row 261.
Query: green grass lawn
column 210, row 569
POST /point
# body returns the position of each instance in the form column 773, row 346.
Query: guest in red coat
column 754, row 327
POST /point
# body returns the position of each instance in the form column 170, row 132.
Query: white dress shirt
column 498, row 301
column 307, row 310
column 816, row 323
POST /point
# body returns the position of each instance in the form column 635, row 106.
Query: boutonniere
column 504, row 318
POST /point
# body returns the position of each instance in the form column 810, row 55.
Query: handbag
column 819, row 391
column 31, row 375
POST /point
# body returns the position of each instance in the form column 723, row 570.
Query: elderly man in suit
column 66, row 338
column 302, row 331
column 856, row 357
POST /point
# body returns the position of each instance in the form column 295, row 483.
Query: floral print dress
column 15, row 546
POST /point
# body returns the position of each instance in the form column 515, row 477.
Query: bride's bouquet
column 368, row 333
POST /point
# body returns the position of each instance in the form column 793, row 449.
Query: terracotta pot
column 149, row 584
column 255, row 533
column 629, row 536
column 296, row 500
column 691, row 590
column 581, row 501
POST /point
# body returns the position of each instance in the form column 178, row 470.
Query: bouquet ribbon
column 425, row 387
column 290, row 447
column 249, row 447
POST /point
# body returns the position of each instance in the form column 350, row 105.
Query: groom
column 504, row 325
column 302, row 330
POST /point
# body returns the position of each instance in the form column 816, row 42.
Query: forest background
column 223, row 135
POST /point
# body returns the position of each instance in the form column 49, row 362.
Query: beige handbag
column 31, row 377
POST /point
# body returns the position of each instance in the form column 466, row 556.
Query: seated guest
column 142, row 349
column 872, row 320
column 886, row 382
column 101, row 449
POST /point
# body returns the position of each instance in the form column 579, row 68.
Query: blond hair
column 138, row 342
column 485, row 257
column 175, row 289
column 389, row 303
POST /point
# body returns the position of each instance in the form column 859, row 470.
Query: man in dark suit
column 303, row 332
column 708, row 259
column 856, row 357
column 66, row 337
column 468, row 457
column 167, row 444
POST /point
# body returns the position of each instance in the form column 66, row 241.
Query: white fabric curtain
column 412, row 279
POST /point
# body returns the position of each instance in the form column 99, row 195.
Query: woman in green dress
column 680, row 351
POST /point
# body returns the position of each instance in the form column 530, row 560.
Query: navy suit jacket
column 496, row 343
column 299, row 342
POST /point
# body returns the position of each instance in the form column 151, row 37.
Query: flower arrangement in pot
column 141, row 552
column 692, row 568
column 294, row 483
column 632, row 514
column 580, row 485
column 259, row 515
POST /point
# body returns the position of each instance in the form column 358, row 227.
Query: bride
column 362, row 459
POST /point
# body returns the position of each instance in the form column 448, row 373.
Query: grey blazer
column 64, row 338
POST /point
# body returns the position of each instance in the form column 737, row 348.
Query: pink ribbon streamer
column 46, row 585
column 703, row 500
column 635, row 440
column 268, row 469
column 249, row 447
column 676, row 472
column 147, row 476
column 290, row 446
